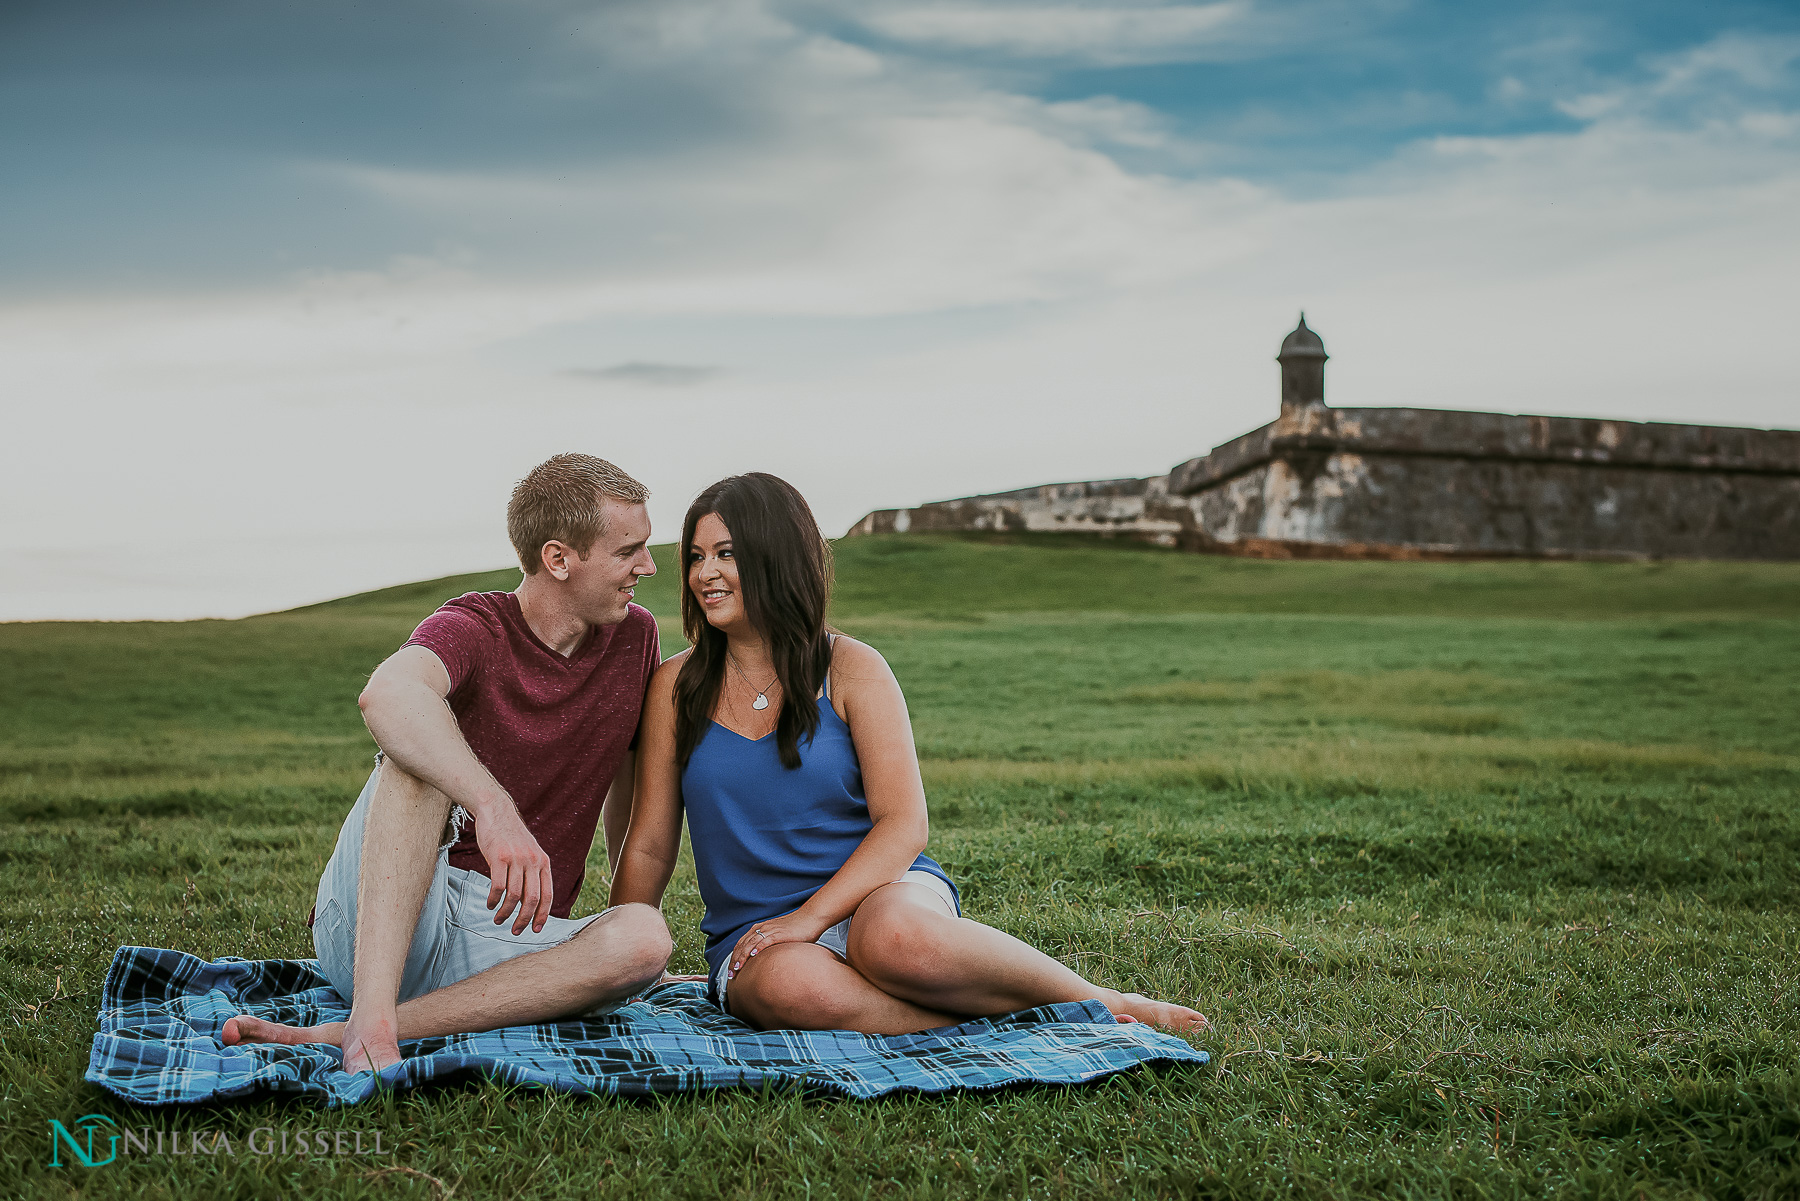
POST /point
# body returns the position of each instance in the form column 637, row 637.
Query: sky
column 292, row 294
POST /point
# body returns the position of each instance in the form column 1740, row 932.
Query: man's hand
column 521, row 870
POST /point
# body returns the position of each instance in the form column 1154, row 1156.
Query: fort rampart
column 1427, row 483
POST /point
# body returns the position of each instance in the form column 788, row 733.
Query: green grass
column 1486, row 872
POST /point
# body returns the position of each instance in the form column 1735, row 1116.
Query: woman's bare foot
column 364, row 1056
column 1135, row 1007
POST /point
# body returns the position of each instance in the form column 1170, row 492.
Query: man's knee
column 631, row 942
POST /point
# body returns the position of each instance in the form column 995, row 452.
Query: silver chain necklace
column 761, row 702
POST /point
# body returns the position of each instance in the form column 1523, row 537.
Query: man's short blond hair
column 559, row 500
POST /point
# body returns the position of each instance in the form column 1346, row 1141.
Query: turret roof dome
column 1302, row 344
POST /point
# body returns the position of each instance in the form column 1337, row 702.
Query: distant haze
column 291, row 295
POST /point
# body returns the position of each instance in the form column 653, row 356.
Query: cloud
column 1592, row 106
column 1107, row 120
column 1509, row 90
column 1761, row 62
column 983, row 200
column 1720, row 78
column 1109, row 36
column 655, row 375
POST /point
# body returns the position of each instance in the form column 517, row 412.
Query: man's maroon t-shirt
column 553, row 731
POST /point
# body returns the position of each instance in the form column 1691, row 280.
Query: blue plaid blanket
column 161, row 1013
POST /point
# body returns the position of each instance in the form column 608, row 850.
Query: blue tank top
column 766, row 838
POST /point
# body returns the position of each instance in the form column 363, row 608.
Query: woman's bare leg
column 906, row 944
column 802, row 986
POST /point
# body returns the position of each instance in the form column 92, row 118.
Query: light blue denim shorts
column 837, row 939
column 456, row 936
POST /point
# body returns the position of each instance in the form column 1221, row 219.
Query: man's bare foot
column 369, row 1046
column 366, row 1054
column 1135, row 1007
column 246, row 1029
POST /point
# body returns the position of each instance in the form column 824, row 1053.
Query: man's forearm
column 415, row 728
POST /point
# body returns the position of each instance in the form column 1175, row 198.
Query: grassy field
column 1488, row 875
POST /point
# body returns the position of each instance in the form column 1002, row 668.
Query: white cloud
column 1107, row 120
column 1510, row 90
column 1719, row 76
column 1592, row 106
column 974, row 204
column 1759, row 62
column 1110, row 36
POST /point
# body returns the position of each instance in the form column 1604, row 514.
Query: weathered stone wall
column 1444, row 506
column 1442, row 433
column 1405, row 483
column 1109, row 508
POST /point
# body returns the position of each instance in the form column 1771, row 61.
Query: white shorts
column 456, row 936
column 837, row 939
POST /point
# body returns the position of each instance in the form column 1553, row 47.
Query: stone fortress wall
column 1319, row 482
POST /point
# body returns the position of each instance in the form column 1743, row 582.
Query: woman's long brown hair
column 784, row 577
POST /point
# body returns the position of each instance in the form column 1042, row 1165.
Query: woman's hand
column 789, row 927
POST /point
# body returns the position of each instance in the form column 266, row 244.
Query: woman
column 790, row 749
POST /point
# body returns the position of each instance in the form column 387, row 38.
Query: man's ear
column 556, row 558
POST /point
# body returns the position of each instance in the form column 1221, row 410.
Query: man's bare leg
column 620, row 953
column 402, row 825
column 401, row 835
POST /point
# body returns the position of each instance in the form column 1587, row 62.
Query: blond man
column 506, row 725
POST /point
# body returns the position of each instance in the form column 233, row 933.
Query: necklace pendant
column 761, row 702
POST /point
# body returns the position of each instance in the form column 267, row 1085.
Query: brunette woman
column 790, row 749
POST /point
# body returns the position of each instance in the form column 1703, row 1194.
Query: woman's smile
column 712, row 572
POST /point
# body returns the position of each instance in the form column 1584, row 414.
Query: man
column 516, row 711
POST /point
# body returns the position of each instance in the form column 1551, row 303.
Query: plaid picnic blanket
column 161, row 1012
